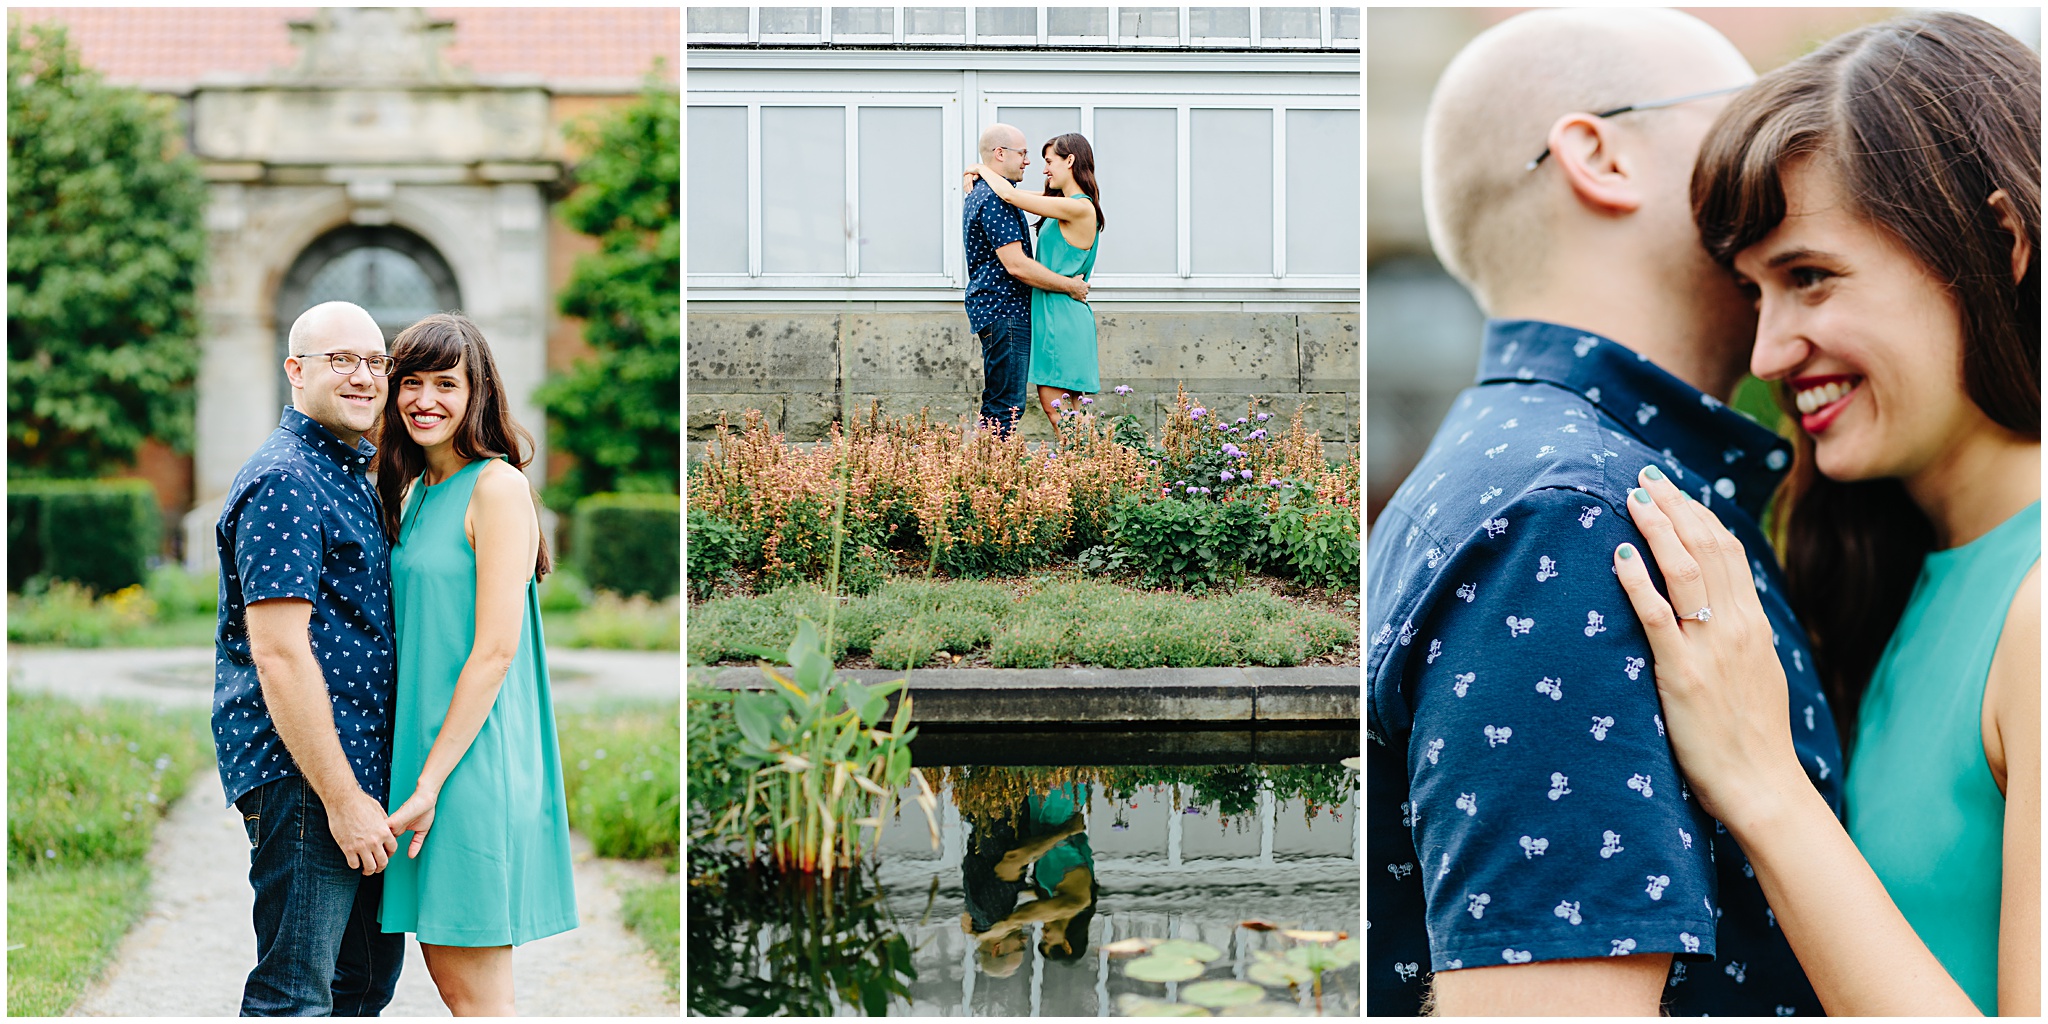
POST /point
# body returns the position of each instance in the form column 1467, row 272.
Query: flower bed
column 1213, row 498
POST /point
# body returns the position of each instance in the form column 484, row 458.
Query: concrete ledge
column 1093, row 696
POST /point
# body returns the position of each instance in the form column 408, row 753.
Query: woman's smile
column 1822, row 398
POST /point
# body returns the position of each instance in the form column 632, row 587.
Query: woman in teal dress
column 1880, row 198
column 1063, row 351
column 474, row 758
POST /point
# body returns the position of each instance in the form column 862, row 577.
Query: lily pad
column 1163, row 968
column 1222, row 992
column 1325, row 958
column 1279, row 972
column 1186, row 948
column 1139, row 1006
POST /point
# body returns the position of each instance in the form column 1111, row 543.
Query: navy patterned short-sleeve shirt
column 301, row 522
column 1523, row 802
column 988, row 224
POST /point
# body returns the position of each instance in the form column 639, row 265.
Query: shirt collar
column 353, row 459
column 1699, row 430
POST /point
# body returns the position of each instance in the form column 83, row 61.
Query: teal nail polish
column 1640, row 495
column 1627, row 551
column 1652, row 473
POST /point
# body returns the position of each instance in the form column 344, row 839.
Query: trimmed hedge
column 630, row 543
column 98, row 533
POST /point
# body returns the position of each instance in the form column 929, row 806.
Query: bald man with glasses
column 304, row 680
column 1533, row 846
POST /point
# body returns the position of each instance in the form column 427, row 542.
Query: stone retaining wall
column 797, row 367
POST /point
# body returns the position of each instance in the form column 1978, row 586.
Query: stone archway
column 390, row 271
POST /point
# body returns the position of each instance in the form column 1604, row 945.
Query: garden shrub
column 1186, row 542
column 710, row 550
column 88, row 783
column 1317, row 540
column 100, row 534
column 627, row 543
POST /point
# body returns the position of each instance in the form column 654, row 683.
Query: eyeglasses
column 344, row 363
column 1653, row 105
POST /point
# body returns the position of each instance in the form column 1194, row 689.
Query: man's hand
column 1077, row 287
column 359, row 827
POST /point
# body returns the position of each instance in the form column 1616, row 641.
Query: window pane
column 1231, row 191
column 1225, row 22
column 1289, row 23
column 901, row 194
column 1077, row 21
column 1344, row 23
column 1322, row 192
column 1006, row 21
column 383, row 281
column 726, row 20
column 934, row 21
column 867, row 21
column 1150, row 22
column 803, row 197
column 791, row 20
column 1134, row 165
column 1039, row 124
column 718, row 190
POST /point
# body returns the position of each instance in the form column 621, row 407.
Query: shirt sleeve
column 279, row 544
column 1547, row 809
column 1000, row 221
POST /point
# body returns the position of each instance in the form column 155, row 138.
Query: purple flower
column 1231, row 449
column 1180, row 483
column 1205, row 490
column 1227, row 476
column 1256, row 435
column 1275, row 482
column 1087, row 401
column 1055, row 403
column 1123, row 389
column 1264, row 416
column 1196, row 412
column 1191, row 490
column 1240, row 419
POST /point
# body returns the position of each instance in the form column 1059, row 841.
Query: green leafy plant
column 822, row 768
column 618, row 411
column 1318, row 540
column 711, row 549
column 106, row 247
column 1185, row 542
column 619, row 768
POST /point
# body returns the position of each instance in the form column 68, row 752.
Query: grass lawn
column 86, row 785
column 654, row 911
column 62, row 924
column 1044, row 620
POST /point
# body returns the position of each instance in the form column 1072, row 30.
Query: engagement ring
column 1705, row 614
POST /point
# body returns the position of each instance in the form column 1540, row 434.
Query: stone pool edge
column 1025, row 696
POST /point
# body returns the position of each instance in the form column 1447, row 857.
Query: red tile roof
column 561, row 45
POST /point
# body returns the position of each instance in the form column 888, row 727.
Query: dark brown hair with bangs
column 1921, row 119
column 487, row 430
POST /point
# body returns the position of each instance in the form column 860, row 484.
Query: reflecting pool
column 1043, row 875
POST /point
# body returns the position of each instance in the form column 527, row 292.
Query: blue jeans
column 319, row 951
column 1005, row 361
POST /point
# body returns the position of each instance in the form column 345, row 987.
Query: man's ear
column 295, row 372
column 1588, row 155
column 2009, row 219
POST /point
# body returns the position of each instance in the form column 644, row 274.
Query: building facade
column 399, row 158
column 824, row 259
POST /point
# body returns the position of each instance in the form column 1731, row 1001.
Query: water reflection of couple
column 1047, row 837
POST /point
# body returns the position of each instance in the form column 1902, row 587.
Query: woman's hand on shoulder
column 1720, row 682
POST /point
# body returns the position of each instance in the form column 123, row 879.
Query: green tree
column 618, row 411
column 106, row 245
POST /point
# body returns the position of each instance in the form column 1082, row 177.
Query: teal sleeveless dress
column 1063, row 352
column 495, row 869
column 1923, row 807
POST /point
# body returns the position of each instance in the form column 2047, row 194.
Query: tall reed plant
column 823, row 770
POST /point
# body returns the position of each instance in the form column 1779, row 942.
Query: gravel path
column 189, row 954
